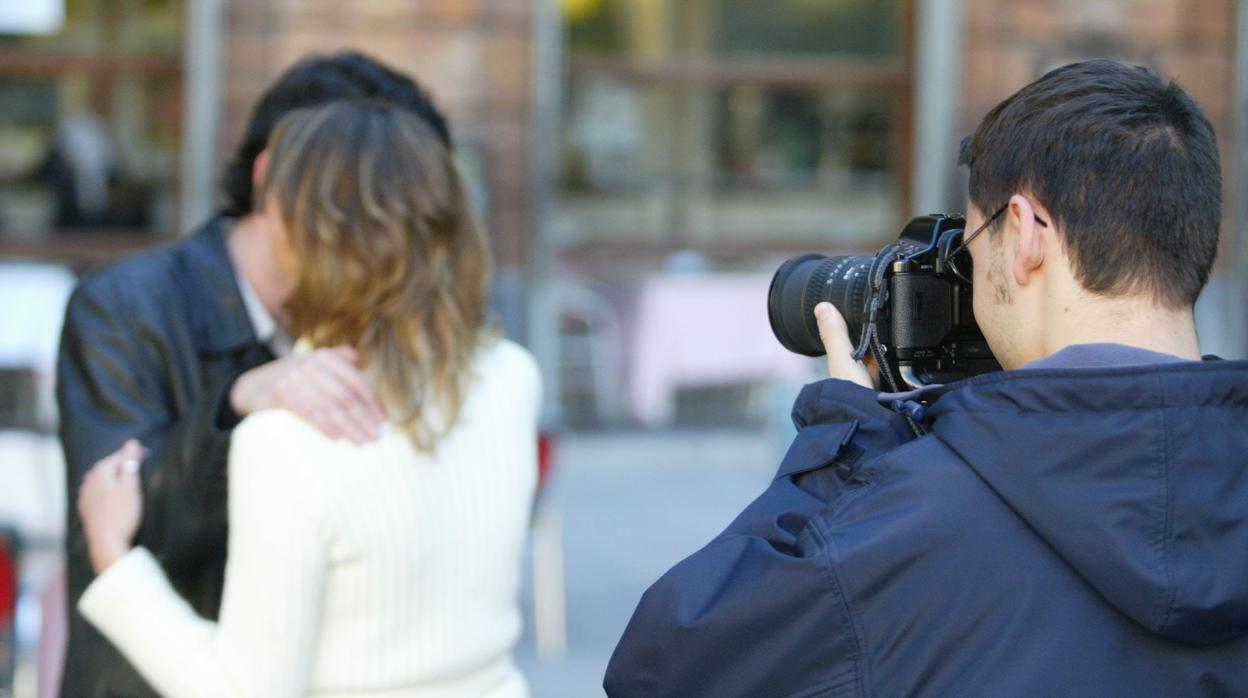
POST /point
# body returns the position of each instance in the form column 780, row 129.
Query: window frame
column 85, row 248
column 894, row 76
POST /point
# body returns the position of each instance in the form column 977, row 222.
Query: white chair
column 32, row 469
column 34, row 297
column 580, row 331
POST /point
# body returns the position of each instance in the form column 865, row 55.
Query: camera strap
column 870, row 340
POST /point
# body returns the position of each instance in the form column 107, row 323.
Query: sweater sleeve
column 265, row 641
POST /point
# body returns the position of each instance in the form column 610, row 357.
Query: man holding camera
column 1074, row 525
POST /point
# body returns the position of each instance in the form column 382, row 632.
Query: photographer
column 1075, row 525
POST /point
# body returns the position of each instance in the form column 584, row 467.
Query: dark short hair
column 312, row 82
column 1126, row 164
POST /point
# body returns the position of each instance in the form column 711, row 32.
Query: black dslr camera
column 908, row 305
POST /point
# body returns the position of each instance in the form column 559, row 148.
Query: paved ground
column 632, row 505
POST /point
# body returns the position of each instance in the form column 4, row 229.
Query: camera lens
column 803, row 282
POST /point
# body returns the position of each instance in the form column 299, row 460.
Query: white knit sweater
column 373, row 569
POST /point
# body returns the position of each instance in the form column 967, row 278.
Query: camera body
column 930, row 322
column 905, row 306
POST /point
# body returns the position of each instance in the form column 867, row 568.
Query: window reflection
column 89, row 122
column 706, row 121
column 858, row 27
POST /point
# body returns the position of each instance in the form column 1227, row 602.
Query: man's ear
column 259, row 172
column 1030, row 254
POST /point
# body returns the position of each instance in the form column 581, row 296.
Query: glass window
column 834, row 27
column 693, row 123
column 90, row 118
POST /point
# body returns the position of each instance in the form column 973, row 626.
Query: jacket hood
column 1137, row 477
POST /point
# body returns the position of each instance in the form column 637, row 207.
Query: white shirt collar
column 262, row 322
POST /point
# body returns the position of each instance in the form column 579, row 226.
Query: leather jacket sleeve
column 112, row 386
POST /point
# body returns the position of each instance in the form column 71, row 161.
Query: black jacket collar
column 218, row 317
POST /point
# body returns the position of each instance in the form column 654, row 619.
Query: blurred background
column 642, row 165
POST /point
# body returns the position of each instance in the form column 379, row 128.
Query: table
column 698, row 330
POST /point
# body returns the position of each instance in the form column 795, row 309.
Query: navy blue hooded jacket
column 1060, row 532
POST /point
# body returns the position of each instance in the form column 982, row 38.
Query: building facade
column 607, row 141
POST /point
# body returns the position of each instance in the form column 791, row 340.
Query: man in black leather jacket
column 172, row 347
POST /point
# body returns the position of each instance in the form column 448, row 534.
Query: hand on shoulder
column 324, row 386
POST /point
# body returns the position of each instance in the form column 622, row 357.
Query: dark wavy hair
column 312, row 82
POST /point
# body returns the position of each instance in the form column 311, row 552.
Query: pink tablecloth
column 703, row 330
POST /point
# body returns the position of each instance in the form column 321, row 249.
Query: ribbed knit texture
column 371, row 569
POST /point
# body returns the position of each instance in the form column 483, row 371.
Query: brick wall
column 1009, row 44
column 472, row 55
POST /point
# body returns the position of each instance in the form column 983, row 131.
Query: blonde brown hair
column 391, row 260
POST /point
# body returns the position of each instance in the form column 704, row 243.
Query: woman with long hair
column 389, row 568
